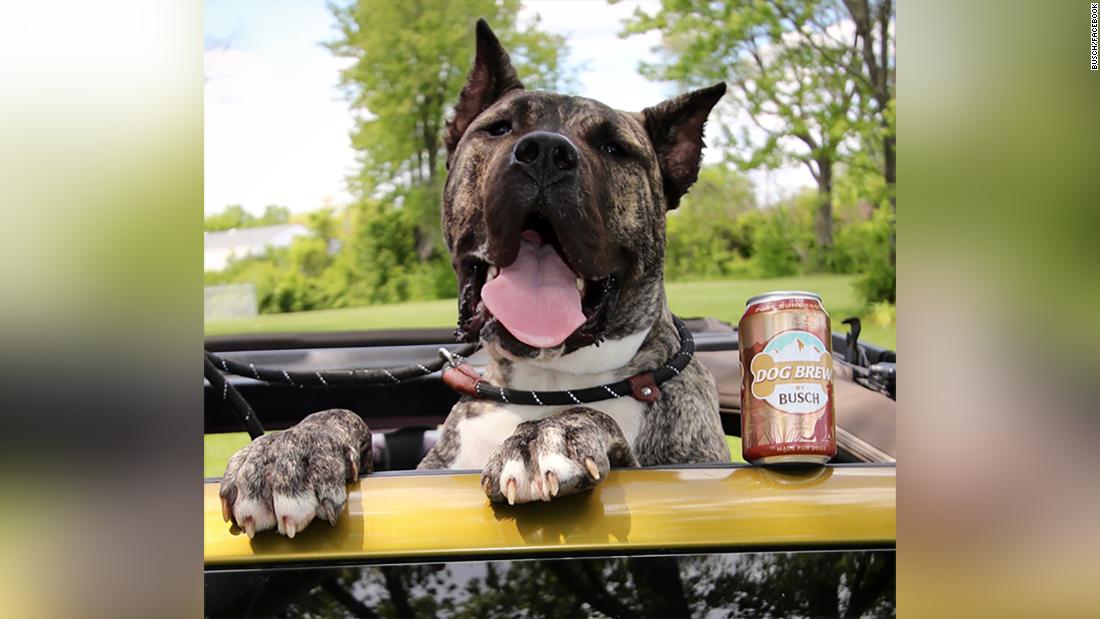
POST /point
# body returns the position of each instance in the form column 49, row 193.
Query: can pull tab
column 459, row 375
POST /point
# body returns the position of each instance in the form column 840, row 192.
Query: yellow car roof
column 433, row 515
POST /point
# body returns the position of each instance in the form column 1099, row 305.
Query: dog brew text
column 793, row 372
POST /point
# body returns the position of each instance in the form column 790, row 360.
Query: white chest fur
column 588, row 367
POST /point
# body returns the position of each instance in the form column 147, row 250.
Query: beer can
column 787, row 415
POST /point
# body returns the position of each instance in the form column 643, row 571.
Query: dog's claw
column 593, row 470
column 552, row 483
column 353, row 465
column 327, row 511
column 288, row 527
column 541, row 489
column 510, row 491
column 227, row 512
column 249, row 526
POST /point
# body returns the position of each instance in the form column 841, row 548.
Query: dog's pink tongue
column 536, row 297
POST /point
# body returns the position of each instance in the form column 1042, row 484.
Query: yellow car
column 715, row 540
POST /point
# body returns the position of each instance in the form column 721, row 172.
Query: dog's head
column 554, row 207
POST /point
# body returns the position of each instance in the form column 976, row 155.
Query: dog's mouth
column 538, row 299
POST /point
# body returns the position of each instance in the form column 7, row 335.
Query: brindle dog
column 553, row 212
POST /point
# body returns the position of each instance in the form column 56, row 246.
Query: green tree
column 711, row 233
column 323, row 223
column 783, row 242
column 273, row 215
column 836, row 28
column 814, row 82
column 410, row 62
column 295, row 278
column 234, row 216
column 875, row 75
column 799, row 109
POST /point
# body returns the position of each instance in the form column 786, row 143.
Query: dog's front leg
column 283, row 480
column 564, row 454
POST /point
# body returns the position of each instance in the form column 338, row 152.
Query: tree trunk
column 428, row 226
column 889, row 173
column 889, row 168
column 823, row 216
column 884, row 96
column 433, row 154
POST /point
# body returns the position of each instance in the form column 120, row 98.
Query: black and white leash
column 457, row 374
column 334, row 378
column 231, row 396
column 215, row 367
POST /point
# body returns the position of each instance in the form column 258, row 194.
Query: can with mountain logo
column 787, row 415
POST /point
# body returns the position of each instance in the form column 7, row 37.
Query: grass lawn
column 721, row 299
column 216, row 449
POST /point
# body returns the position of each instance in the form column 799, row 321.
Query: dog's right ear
column 676, row 129
column 491, row 77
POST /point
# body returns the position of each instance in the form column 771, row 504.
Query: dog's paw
column 561, row 455
column 286, row 479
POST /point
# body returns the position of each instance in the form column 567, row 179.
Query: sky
column 277, row 126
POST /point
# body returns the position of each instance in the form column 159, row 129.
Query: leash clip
column 459, row 375
column 452, row 359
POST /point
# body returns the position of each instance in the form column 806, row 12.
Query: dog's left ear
column 491, row 77
column 676, row 129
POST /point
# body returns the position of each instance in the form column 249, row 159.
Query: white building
column 219, row 247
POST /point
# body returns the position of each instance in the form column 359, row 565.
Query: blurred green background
column 804, row 96
column 722, row 299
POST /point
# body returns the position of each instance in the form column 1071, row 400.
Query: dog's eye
column 613, row 149
column 499, row 128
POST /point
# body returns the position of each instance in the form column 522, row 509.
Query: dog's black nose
column 545, row 156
